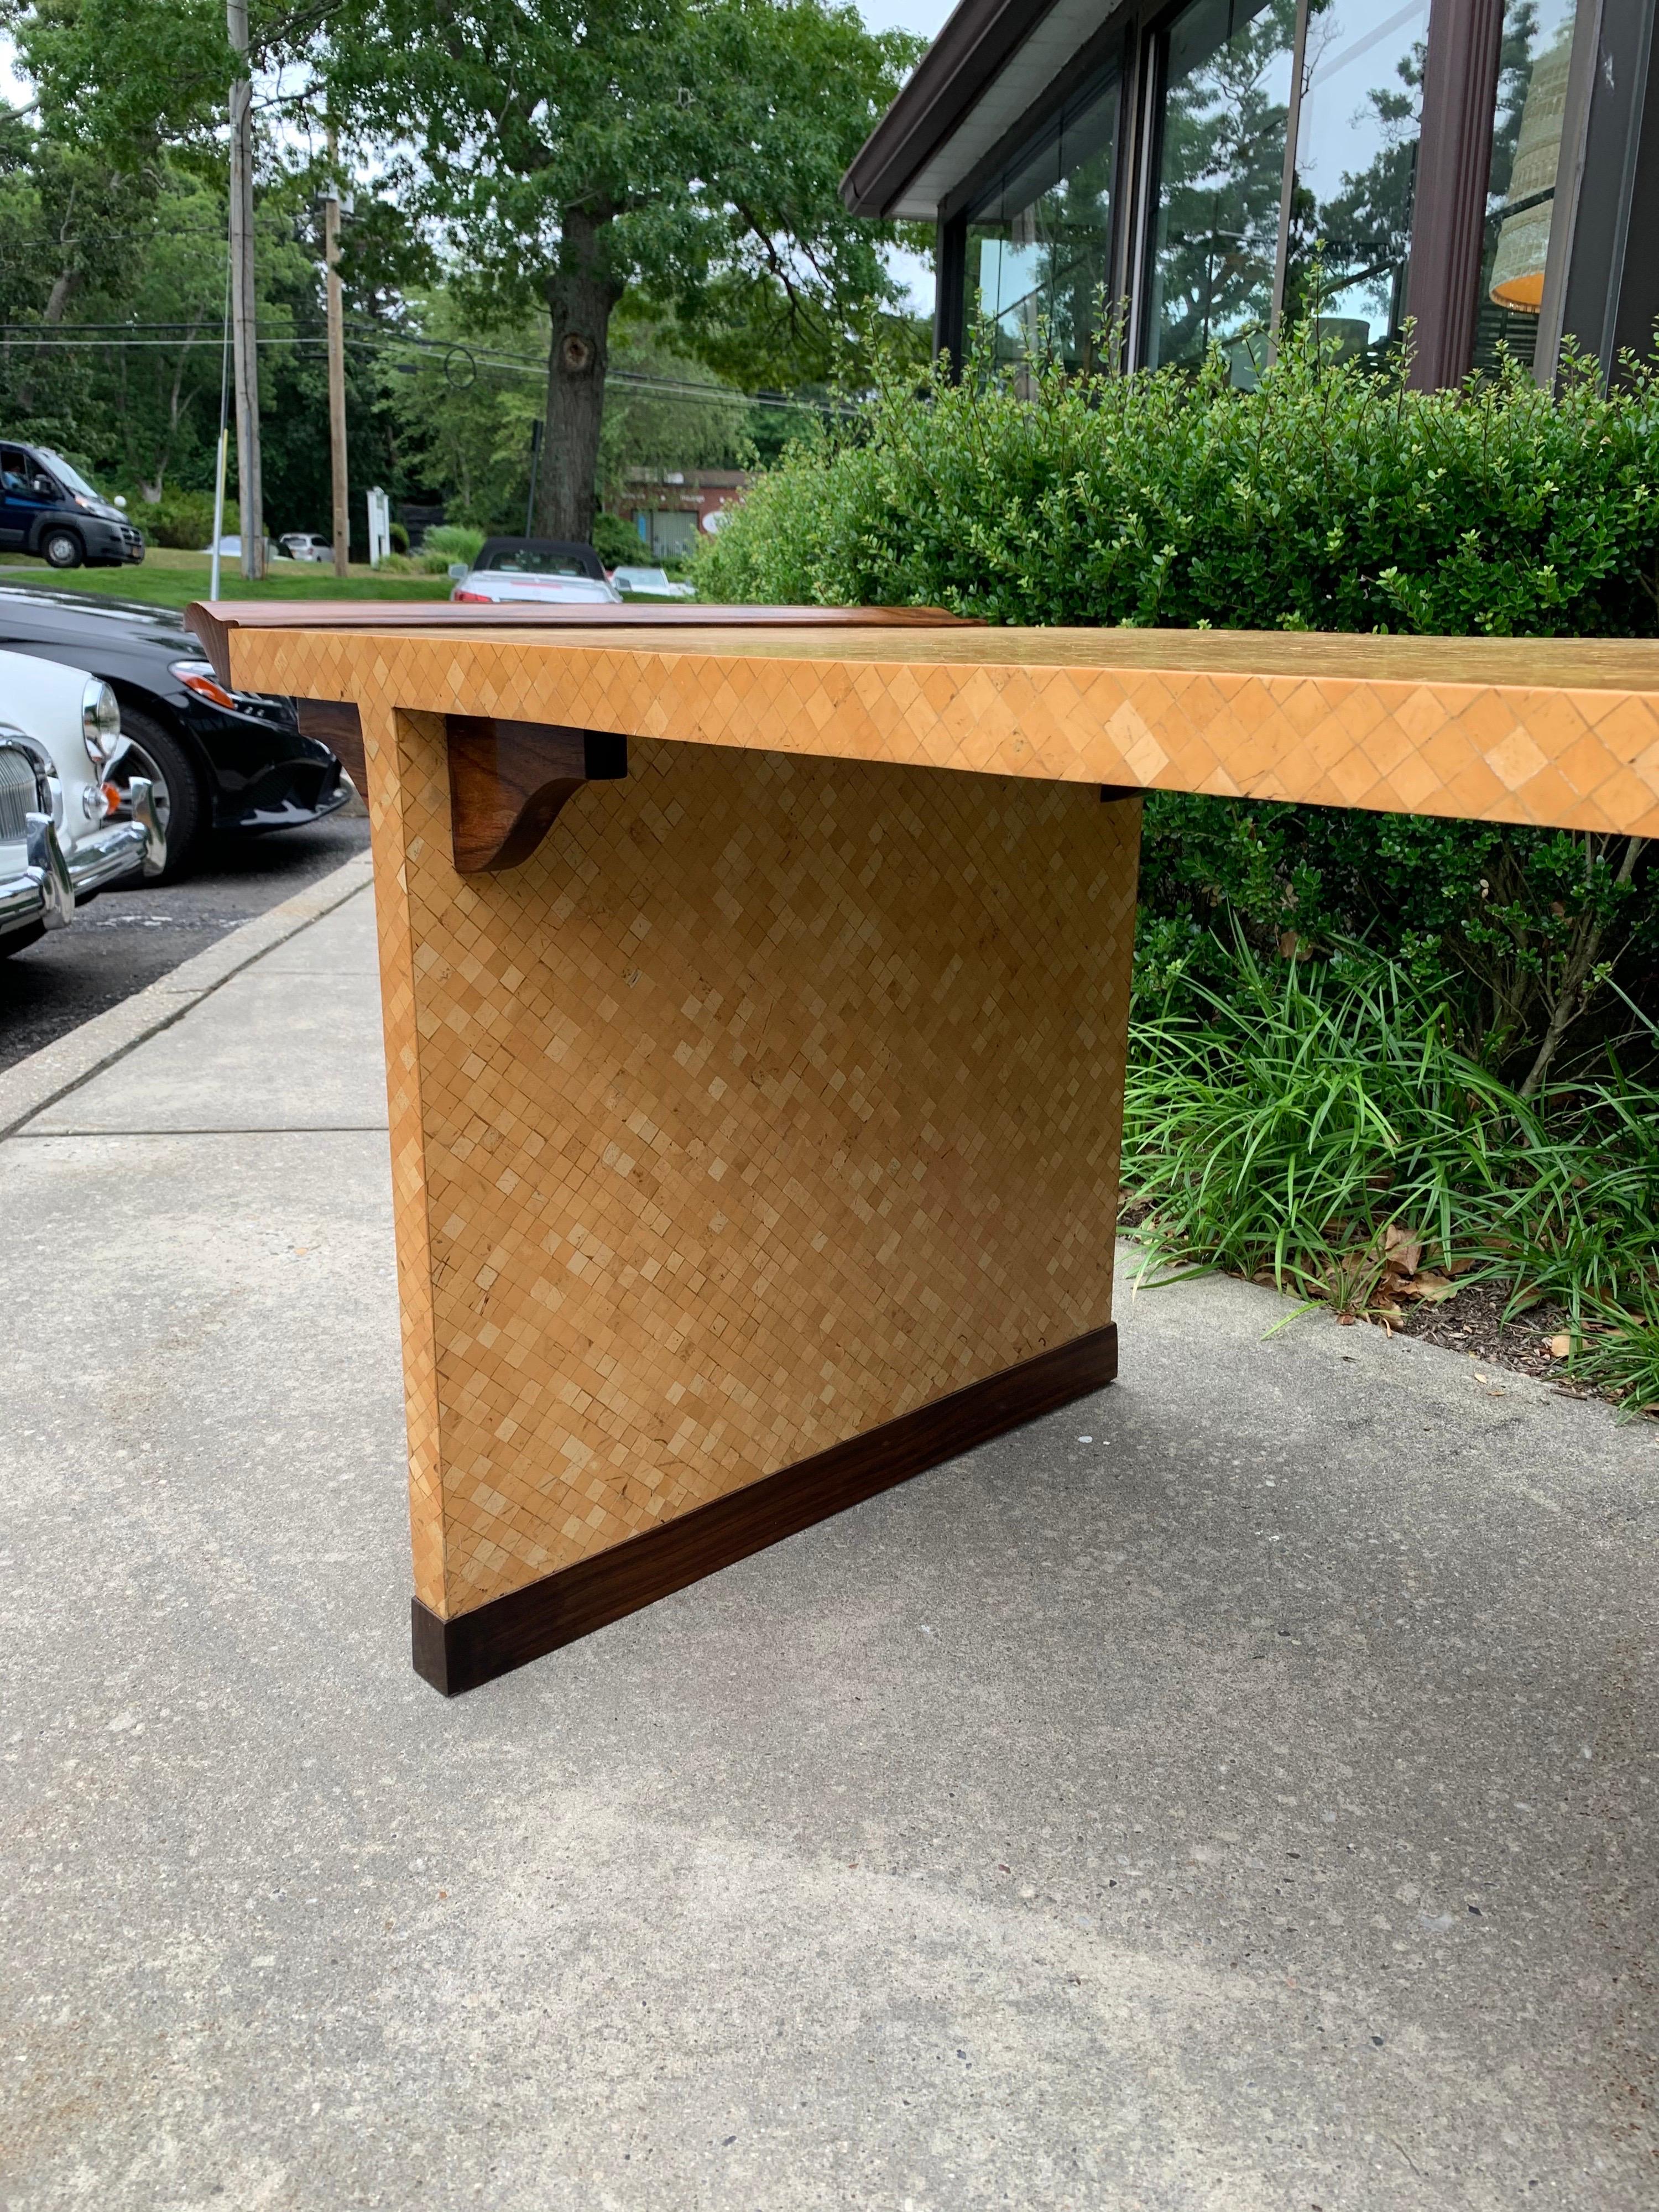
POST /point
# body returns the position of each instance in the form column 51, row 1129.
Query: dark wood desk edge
column 509, row 1632
column 212, row 621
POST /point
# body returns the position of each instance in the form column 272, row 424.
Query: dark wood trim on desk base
column 509, row 1632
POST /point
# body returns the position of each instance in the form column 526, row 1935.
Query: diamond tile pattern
column 771, row 1098
column 1559, row 733
column 778, row 1093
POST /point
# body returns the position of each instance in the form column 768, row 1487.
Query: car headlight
column 197, row 676
column 100, row 719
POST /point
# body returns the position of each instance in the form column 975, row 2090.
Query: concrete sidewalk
column 1237, row 1791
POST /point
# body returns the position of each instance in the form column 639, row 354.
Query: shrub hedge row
column 1328, row 499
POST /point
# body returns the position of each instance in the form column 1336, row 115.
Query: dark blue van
column 48, row 509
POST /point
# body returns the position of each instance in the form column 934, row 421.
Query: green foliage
column 1345, row 1021
column 450, row 541
column 1330, row 498
column 1305, row 1124
column 1281, row 1121
column 462, row 411
column 615, row 541
column 706, row 137
column 465, row 401
column 1515, row 929
column 181, row 520
column 85, row 245
column 705, row 426
column 689, row 149
column 127, row 77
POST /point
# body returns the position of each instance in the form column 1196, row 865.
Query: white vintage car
column 60, row 738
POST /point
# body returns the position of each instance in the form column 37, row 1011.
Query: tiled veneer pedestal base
column 770, row 1102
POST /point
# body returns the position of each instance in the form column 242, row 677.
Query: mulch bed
column 1474, row 1323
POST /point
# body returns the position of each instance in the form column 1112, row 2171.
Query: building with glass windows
column 1140, row 182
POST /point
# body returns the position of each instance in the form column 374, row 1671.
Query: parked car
column 546, row 569
column 48, row 509
column 216, row 759
column 35, row 892
column 68, row 722
column 302, row 545
column 649, row 584
column 230, row 547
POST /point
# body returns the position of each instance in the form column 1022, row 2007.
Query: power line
column 71, row 337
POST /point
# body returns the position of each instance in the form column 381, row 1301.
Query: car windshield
column 71, row 479
column 658, row 577
column 527, row 561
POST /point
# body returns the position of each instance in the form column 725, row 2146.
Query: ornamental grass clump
column 1316, row 1126
column 1278, row 1127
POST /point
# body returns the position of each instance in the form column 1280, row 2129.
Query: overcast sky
column 926, row 17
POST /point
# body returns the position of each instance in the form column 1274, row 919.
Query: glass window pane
column 1526, row 156
column 1220, row 174
column 1039, row 242
column 1356, row 168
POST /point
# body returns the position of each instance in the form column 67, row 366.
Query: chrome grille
column 19, row 794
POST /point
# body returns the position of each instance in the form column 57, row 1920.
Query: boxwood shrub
column 1329, row 498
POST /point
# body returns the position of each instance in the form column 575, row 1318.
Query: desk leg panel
column 772, row 1101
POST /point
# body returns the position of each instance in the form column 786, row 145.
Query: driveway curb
column 57, row 1068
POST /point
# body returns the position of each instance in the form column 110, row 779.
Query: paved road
column 127, row 938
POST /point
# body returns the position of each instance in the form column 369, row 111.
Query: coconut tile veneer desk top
column 755, row 990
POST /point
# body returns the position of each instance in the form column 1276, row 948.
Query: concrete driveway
column 1235, row 1792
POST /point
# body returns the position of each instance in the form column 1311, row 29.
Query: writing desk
column 755, row 989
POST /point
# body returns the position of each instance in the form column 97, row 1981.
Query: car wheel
column 175, row 789
column 62, row 549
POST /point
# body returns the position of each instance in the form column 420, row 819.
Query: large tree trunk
column 65, row 285
column 580, row 295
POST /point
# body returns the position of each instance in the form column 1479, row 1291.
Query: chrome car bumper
column 122, row 849
column 40, row 893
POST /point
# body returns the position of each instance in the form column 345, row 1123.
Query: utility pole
column 244, row 310
column 336, row 419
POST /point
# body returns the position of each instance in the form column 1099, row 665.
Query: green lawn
column 173, row 579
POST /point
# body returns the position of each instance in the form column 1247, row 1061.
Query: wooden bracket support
column 508, row 779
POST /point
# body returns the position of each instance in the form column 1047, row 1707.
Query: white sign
column 379, row 526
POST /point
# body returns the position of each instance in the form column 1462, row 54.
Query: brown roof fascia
column 949, row 78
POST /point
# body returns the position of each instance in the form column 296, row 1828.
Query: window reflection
column 1219, row 177
column 1039, row 243
column 1526, row 156
column 1355, row 169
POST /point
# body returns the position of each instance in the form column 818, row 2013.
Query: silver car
column 36, row 890
column 61, row 731
column 537, row 571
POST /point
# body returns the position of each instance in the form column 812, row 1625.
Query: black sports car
column 216, row 759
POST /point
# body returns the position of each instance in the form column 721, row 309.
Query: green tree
column 465, row 401
column 688, row 148
column 132, row 77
